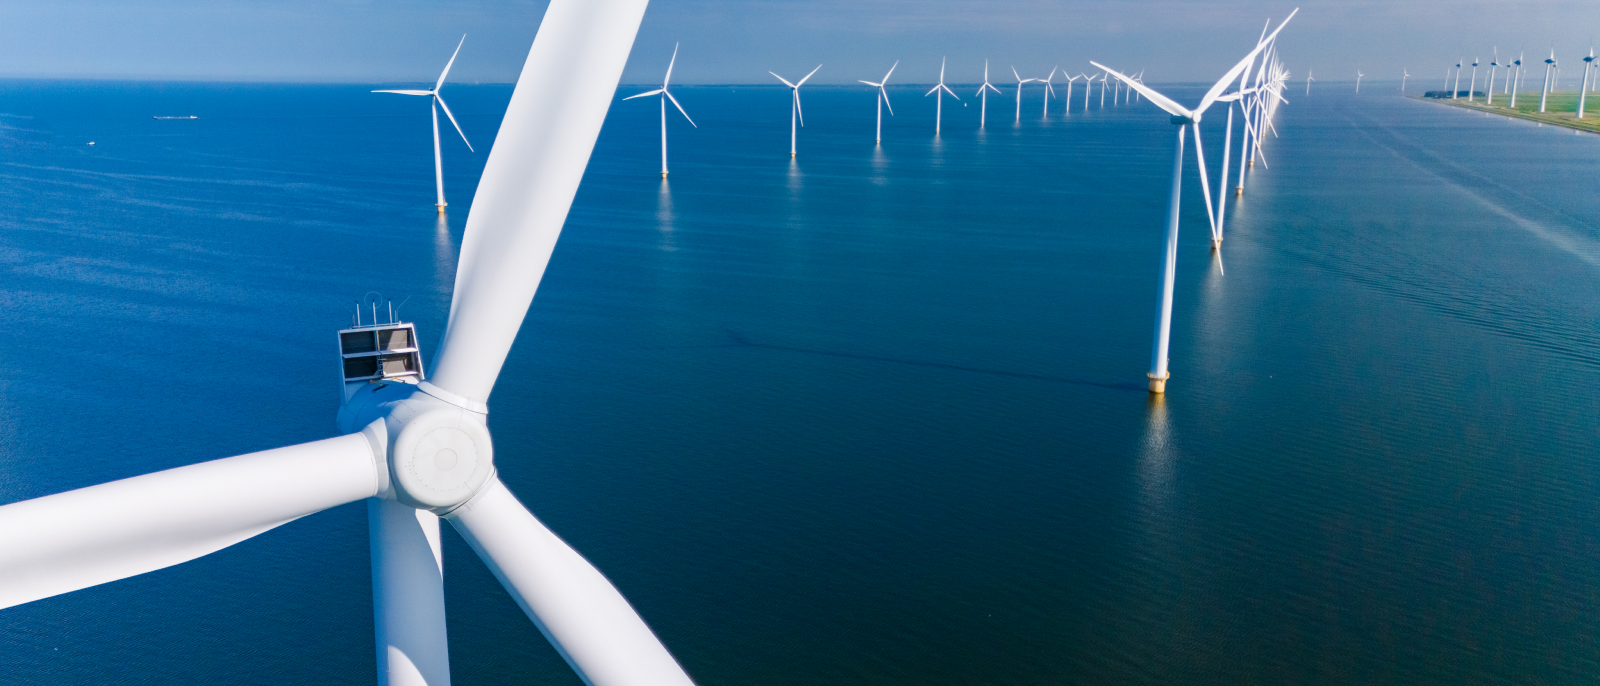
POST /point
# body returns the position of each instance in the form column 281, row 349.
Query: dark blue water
column 873, row 415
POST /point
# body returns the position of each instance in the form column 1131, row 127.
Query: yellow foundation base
column 441, row 207
column 1158, row 385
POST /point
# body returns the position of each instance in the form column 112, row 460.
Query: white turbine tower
column 1583, row 90
column 1404, row 74
column 883, row 98
column 1068, row 100
column 1308, row 88
column 940, row 90
column 1456, row 91
column 1358, row 80
column 438, row 102
column 665, row 96
column 1184, row 119
column 1088, row 89
column 1517, row 84
column 1049, row 90
column 1472, row 86
column 1547, row 65
column 983, row 92
column 794, row 109
column 1020, row 81
column 1494, row 68
column 415, row 452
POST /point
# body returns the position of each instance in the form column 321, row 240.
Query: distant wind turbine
column 1547, row 65
column 1494, row 67
column 1454, row 92
column 1185, row 119
column 1358, row 80
column 1068, row 100
column 1088, row 89
column 795, row 116
column 1049, row 90
column 438, row 162
column 1404, row 74
column 1583, row 90
column 983, row 92
column 1517, row 84
column 1472, row 86
column 1308, row 89
column 883, row 98
column 1020, row 81
column 665, row 96
column 940, row 90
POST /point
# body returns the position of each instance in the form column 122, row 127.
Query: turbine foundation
column 1238, row 190
column 1158, row 385
column 441, row 207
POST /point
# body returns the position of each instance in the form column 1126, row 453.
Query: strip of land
column 1560, row 109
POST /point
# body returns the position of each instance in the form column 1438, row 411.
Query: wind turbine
column 1455, row 92
column 883, row 98
column 1068, row 100
column 1583, row 90
column 1517, row 84
column 1020, row 81
column 1358, row 80
column 794, row 110
column 416, row 452
column 665, row 96
column 1088, row 89
column 1049, row 90
column 983, row 92
column 438, row 163
column 1547, row 65
column 1308, row 88
column 1472, row 86
column 941, row 89
column 1103, row 90
column 1494, row 67
column 1184, row 119
column 1404, row 74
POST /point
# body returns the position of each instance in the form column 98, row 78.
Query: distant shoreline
column 1560, row 109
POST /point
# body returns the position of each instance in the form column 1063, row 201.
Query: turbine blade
column 527, row 187
column 447, row 65
column 869, row 83
column 803, row 81
column 1014, row 73
column 885, row 94
column 576, row 608
column 407, row 92
column 797, row 110
column 1243, row 64
column 931, row 91
column 657, row 91
column 1205, row 181
column 951, row 92
column 784, row 80
column 669, row 67
column 680, row 109
column 1160, row 100
column 891, row 71
column 452, row 117
column 77, row 539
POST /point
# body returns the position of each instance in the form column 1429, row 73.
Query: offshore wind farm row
column 1257, row 83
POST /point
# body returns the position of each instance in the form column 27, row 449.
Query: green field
column 1560, row 108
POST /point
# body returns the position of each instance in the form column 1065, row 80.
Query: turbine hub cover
column 440, row 457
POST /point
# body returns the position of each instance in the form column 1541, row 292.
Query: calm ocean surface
column 871, row 416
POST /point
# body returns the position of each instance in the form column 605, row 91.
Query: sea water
column 874, row 414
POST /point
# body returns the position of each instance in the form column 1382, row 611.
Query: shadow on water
column 742, row 342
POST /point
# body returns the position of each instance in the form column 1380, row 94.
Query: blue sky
column 736, row 41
